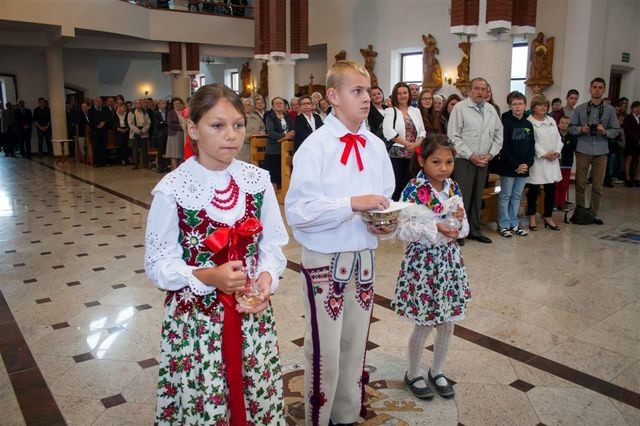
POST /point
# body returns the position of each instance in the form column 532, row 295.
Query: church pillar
column 281, row 78
column 55, row 79
column 282, row 37
column 491, row 24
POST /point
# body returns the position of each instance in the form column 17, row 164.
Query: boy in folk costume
column 340, row 170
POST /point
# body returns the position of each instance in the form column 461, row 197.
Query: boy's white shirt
column 192, row 186
column 318, row 203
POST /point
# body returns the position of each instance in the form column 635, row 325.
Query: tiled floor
column 551, row 336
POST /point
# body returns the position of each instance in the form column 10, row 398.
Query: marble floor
column 551, row 336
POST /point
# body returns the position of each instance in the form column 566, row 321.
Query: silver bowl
column 381, row 219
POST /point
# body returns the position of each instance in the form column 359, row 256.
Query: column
column 55, row 78
column 491, row 52
column 281, row 78
column 491, row 59
column 282, row 37
column 181, row 83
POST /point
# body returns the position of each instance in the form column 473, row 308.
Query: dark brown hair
column 208, row 96
column 394, row 93
column 429, row 145
column 430, row 117
column 444, row 111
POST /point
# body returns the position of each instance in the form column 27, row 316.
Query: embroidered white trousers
column 338, row 297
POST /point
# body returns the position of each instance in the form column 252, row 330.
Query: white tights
column 417, row 342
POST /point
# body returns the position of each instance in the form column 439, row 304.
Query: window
column 232, row 79
column 519, row 61
column 411, row 68
column 235, row 85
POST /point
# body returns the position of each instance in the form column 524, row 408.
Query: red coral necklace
column 224, row 202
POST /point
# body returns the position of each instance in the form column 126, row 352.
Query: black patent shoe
column 420, row 393
column 445, row 391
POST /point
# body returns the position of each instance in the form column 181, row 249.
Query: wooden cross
column 311, row 77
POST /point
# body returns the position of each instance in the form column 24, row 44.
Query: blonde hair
column 539, row 100
column 337, row 71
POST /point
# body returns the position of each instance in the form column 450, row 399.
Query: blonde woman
column 546, row 164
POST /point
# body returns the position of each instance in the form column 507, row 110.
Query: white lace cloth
column 418, row 223
column 192, row 186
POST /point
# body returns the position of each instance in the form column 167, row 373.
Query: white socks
column 440, row 348
column 417, row 341
column 416, row 346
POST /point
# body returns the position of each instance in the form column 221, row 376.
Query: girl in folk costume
column 432, row 289
column 213, row 219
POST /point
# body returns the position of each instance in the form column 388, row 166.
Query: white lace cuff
column 197, row 286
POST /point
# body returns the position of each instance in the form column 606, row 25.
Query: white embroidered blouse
column 192, row 187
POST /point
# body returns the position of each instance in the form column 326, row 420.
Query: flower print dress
column 432, row 285
column 193, row 386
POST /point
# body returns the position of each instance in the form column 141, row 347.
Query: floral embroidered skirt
column 432, row 285
column 192, row 387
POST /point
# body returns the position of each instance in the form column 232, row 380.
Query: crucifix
column 311, row 77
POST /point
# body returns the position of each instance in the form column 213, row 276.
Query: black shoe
column 460, row 241
column 636, row 183
column 550, row 226
column 445, row 391
column 480, row 239
column 628, row 183
column 420, row 393
column 598, row 221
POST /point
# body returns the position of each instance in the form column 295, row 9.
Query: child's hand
column 264, row 284
column 447, row 232
column 227, row 277
column 363, row 203
column 459, row 214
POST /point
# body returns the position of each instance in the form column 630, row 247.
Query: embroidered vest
column 195, row 226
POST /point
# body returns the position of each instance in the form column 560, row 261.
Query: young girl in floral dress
column 219, row 359
column 432, row 289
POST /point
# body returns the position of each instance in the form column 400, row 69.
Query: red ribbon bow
column 351, row 141
column 229, row 244
column 225, row 242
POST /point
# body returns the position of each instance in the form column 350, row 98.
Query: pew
column 286, row 162
column 258, row 144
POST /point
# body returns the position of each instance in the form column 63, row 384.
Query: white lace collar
column 192, row 185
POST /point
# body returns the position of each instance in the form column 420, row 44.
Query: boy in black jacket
column 516, row 156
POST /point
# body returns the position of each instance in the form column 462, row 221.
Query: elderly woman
column 254, row 127
column 403, row 125
column 176, row 126
column 546, row 164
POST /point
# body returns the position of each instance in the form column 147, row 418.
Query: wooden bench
column 286, row 162
column 489, row 212
column 258, row 144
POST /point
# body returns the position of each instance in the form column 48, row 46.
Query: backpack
column 580, row 216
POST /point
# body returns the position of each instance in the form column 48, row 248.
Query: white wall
column 551, row 17
column 315, row 64
column 391, row 27
column 28, row 66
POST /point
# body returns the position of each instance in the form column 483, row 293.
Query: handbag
column 380, row 133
